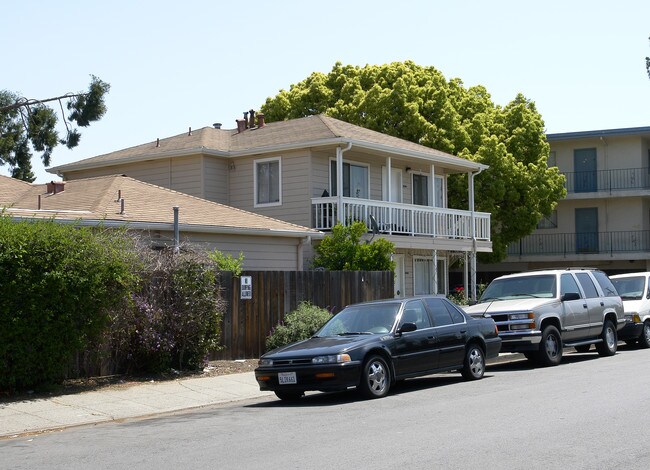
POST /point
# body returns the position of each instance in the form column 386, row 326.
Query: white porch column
column 389, row 179
column 470, row 178
column 434, row 255
column 339, row 181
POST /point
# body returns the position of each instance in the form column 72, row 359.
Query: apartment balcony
column 608, row 181
column 402, row 219
column 567, row 244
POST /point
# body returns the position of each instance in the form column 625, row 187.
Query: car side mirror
column 570, row 296
column 407, row 327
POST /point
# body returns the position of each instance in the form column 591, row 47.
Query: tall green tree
column 419, row 104
column 27, row 124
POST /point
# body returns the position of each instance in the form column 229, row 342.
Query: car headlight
column 633, row 317
column 522, row 316
column 331, row 359
column 265, row 362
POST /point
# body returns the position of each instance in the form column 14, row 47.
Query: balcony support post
column 339, row 181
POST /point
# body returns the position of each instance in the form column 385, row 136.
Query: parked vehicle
column 634, row 289
column 541, row 312
column 372, row 345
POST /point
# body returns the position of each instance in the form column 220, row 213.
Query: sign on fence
column 246, row 289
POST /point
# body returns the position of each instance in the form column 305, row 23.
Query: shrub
column 57, row 284
column 227, row 262
column 173, row 320
column 298, row 324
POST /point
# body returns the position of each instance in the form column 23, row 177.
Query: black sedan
column 372, row 345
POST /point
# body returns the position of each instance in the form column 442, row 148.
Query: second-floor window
column 420, row 189
column 267, row 181
column 355, row 180
column 548, row 222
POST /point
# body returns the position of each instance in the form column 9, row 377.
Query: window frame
column 352, row 163
column 256, row 202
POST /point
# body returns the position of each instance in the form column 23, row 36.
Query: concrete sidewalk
column 136, row 401
column 139, row 400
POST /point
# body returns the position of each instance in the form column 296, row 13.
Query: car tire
column 583, row 348
column 550, row 348
column 285, row 395
column 375, row 377
column 609, row 343
column 474, row 363
column 644, row 339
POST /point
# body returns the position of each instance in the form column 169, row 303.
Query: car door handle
column 602, row 304
column 584, row 305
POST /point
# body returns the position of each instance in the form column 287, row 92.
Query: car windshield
column 630, row 288
column 362, row 319
column 542, row 286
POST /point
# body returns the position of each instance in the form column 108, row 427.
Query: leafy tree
column 228, row 262
column 417, row 103
column 27, row 124
column 342, row 251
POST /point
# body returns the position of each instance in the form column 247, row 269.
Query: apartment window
column 422, row 274
column 552, row 159
column 267, row 182
column 355, row 179
column 548, row 222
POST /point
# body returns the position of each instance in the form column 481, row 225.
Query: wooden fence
column 247, row 322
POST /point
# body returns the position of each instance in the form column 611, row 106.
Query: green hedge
column 298, row 324
column 57, row 284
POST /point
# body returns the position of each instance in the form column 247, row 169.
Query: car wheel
column 609, row 343
column 289, row 395
column 375, row 378
column 644, row 339
column 531, row 357
column 583, row 348
column 474, row 364
column 550, row 348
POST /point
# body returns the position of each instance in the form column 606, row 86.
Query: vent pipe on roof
column 189, row 133
column 158, row 142
column 217, row 125
column 39, row 202
column 176, row 231
column 246, row 119
column 121, row 205
column 251, row 122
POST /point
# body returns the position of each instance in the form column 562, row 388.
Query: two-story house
column 315, row 172
column 604, row 221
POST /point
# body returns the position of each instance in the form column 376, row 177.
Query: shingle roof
column 11, row 189
column 97, row 199
column 309, row 131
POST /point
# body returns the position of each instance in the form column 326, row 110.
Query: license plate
column 285, row 378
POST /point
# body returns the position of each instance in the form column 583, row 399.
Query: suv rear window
column 605, row 284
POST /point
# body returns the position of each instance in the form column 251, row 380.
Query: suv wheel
column 550, row 349
column 609, row 342
column 644, row 339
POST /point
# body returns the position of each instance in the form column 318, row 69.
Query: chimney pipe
column 246, row 119
column 217, row 125
column 260, row 120
column 241, row 125
column 252, row 118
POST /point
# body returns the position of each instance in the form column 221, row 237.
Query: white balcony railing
column 402, row 219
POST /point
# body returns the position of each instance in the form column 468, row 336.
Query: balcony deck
column 566, row 244
column 402, row 219
column 609, row 181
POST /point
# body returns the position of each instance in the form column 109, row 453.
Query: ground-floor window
column 423, row 275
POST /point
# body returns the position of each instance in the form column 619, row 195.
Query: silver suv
column 539, row 313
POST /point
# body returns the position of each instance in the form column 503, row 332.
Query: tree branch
column 22, row 102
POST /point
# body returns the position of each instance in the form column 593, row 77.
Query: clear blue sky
column 174, row 65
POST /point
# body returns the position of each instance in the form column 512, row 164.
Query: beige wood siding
column 215, row 179
column 182, row 174
column 295, row 193
column 260, row 253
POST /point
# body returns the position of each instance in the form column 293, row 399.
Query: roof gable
column 311, row 131
column 124, row 200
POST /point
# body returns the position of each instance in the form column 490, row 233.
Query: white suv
column 539, row 313
column 635, row 292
